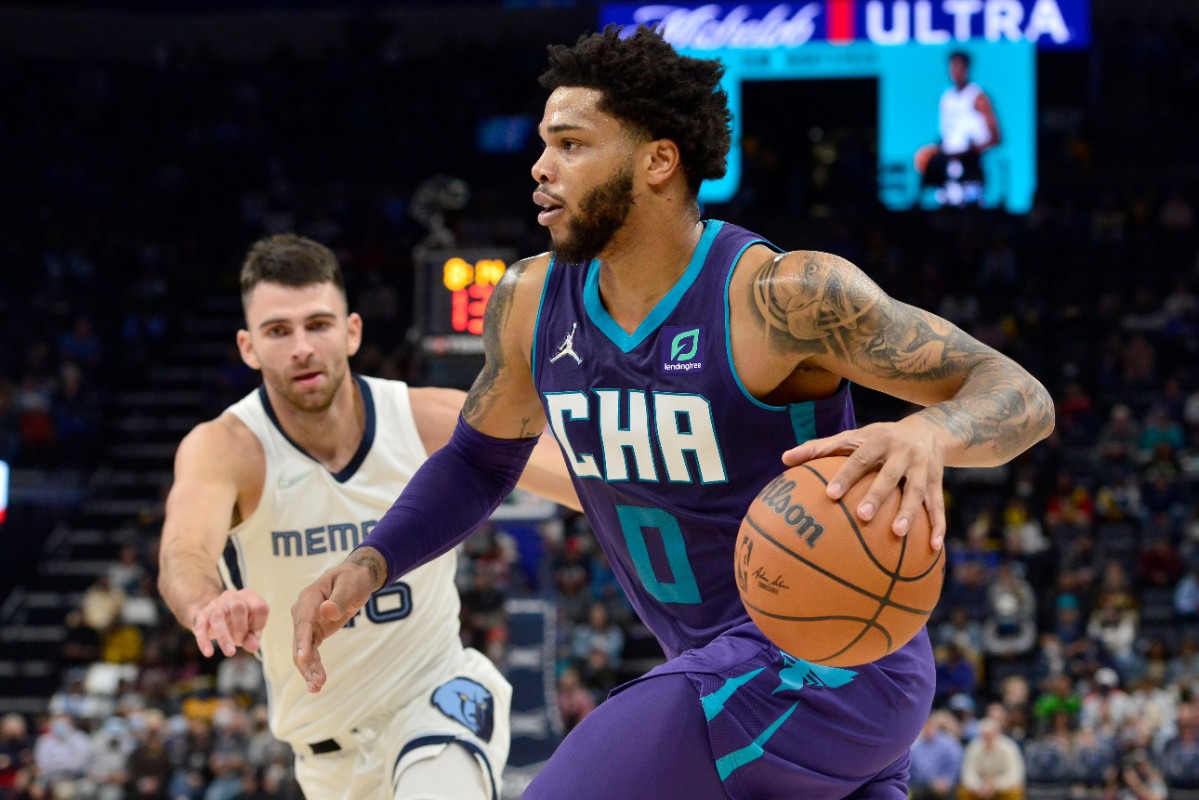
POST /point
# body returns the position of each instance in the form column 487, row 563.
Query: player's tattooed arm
column 503, row 401
column 373, row 561
column 482, row 395
column 825, row 310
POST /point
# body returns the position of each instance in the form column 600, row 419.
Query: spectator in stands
column 1115, row 627
column 62, row 755
column 1106, row 707
column 574, row 701
column 965, row 714
column 241, row 677
column 76, row 702
column 1160, row 429
column 150, row 764
column 1058, row 697
column 102, row 604
column 1186, row 593
column 1119, row 500
column 992, row 766
column 1136, row 779
column 1070, row 507
column 936, row 759
column 956, row 674
column 1120, row 438
column 16, row 750
column 1015, row 696
column 484, row 620
column 1160, row 564
column 1010, row 629
column 1076, row 414
column 960, row 629
column 107, row 772
column 599, row 643
column 140, row 608
column 1180, row 754
column 128, row 569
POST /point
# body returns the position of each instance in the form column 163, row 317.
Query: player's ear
column 662, row 161
column 353, row 333
column 246, row 348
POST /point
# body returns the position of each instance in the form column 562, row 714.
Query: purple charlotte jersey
column 668, row 449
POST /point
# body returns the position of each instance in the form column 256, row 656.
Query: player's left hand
column 909, row 450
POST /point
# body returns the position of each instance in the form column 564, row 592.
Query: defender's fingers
column 203, row 638
column 220, row 631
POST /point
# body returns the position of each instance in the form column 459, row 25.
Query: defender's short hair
column 290, row 260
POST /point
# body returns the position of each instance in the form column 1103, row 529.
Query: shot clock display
column 453, row 287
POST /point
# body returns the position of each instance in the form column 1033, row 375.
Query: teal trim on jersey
column 537, row 320
column 797, row 673
column 627, row 341
column 728, row 328
column 714, row 703
column 726, row 765
column 803, row 420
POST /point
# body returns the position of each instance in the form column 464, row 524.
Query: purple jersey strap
column 452, row 493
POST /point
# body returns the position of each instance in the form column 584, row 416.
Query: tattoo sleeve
column 482, row 393
column 821, row 307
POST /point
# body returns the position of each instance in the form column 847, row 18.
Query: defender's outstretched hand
column 327, row 604
column 910, row 451
column 234, row 618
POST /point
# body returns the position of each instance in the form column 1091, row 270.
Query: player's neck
column 331, row 436
column 644, row 261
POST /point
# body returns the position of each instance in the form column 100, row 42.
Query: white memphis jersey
column 961, row 123
column 405, row 640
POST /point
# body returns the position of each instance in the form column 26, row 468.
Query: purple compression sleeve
column 451, row 494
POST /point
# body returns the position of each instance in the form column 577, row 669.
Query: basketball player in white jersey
column 278, row 489
column 969, row 128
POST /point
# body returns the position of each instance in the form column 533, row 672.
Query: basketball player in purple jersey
column 675, row 359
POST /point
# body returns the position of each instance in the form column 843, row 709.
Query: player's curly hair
column 646, row 83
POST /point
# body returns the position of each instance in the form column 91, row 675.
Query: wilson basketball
column 825, row 586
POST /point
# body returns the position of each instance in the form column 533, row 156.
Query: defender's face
column 584, row 175
column 301, row 338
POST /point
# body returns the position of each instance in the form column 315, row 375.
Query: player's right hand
column 234, row 618
column 323, row 608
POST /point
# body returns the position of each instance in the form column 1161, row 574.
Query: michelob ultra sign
column 1048, row 24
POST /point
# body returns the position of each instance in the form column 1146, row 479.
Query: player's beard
column 602, row 212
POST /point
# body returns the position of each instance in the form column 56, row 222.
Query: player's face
column 958, row 72
column 584, row 175
column 302, row 339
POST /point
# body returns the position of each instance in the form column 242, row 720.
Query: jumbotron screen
column 956, row 81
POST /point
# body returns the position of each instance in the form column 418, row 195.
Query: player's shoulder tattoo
column 495, row 330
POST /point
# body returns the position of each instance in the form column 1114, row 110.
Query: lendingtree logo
column 685, row 345
column 682, row 349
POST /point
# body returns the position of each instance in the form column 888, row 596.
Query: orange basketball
column 825, row 586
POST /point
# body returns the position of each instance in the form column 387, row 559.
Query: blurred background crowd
column 1067, row 638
